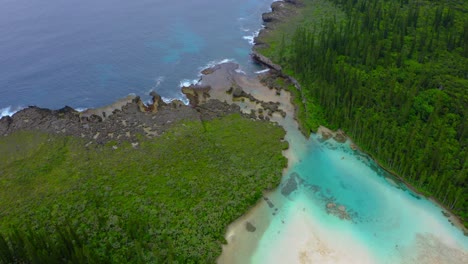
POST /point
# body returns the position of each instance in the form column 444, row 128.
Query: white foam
column 244, row 29
column 213, row 63
column 262, row 71
column 251, row 38
column 80, row 109
column 186, row 82
column 182, row 98
column 9, row 111
column 241, row 71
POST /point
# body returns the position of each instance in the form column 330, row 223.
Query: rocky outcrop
column 236, row 91
column 156, row 103
column 280, row 11
column 256, row 56
column 121, row 121
column 196, row 94
column 339, row 135
column 210, row 70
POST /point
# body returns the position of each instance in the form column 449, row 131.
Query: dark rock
column 290, row 185
column 94, row 119
column 237, row 91
column 123, row 121
column 5, row 123
column 270, row 204
column 265, row 61
column 196, row 94
column 250, row 227
column 176, row 103
column 269, row 17
column 210, row 70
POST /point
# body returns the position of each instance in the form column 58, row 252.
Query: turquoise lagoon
column 335, row 205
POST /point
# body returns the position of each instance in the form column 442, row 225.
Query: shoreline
column 263, row 60
column 451, row 217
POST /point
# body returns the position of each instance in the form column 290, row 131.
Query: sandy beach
column 291, row 229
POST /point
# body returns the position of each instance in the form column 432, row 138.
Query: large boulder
column 196, row 94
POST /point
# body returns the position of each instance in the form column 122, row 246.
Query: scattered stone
column 270, row 204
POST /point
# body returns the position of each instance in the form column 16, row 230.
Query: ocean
column 90, row 53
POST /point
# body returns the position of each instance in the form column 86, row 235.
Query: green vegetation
column 168, row 200
column 393, row 75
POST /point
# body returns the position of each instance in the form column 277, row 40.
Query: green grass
column 168, row 200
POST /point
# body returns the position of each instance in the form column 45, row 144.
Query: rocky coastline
column 280, row 12
column 129, row 117
column 217, row 94
column 124, row 120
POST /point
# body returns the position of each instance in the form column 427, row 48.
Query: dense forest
column 169, row 200
column 394, row 75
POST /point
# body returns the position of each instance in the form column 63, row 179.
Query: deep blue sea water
column 89, row 53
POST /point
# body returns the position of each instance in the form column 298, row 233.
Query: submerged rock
column 291, row 184
column 338, row 210
column 289, row 187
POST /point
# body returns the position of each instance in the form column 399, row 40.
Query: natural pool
column 336, row 205
column 344, row 210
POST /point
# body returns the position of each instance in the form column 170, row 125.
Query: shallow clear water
column 89, row 53
column 388, row 223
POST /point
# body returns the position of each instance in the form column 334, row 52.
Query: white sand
column 296, row 235
column 303, row 240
